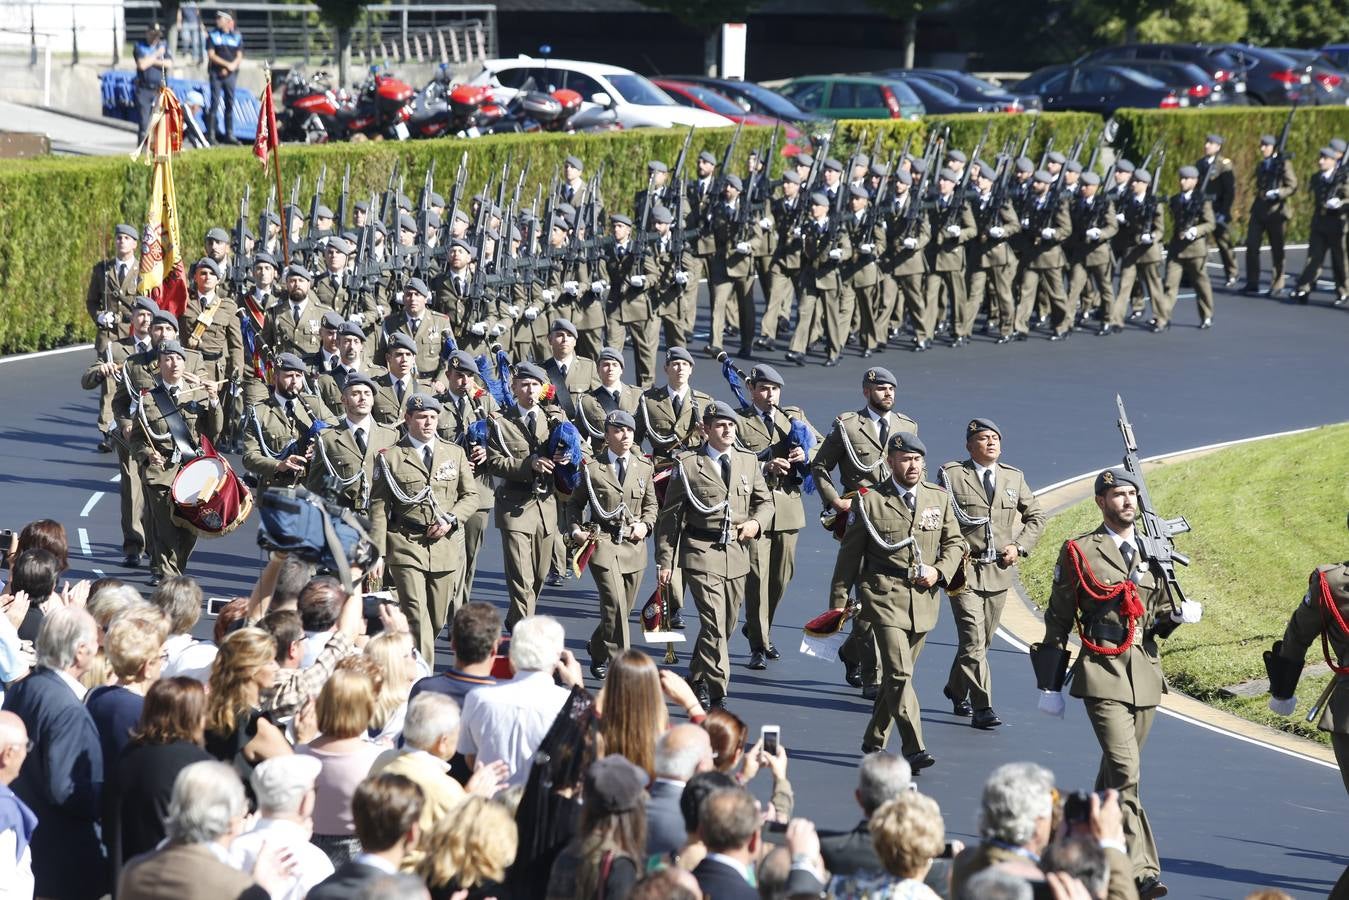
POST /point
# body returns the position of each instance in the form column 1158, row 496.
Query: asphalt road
column 1228, row 814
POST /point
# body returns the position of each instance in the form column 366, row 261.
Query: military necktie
column 768, row 421
column 726, row 469
column 988, row 484
column 121, row 272
column 622, row 465
column 562, row 367
column 290, row 409
column 1128, row 550
column 458, row 284
column 414, row 324
column 678, row 403
column 459, row 408
column 530, row 419
column 399, row 388
column 426, row 456
column 173, row 393
column 360, row 440
column 295, row 309
column 910, row 501
column 885, row 433
column 141, row 346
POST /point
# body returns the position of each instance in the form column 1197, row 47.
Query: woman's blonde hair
column 392, row 652
column 230, row 689
column 473, row 846
column 634, row 709
column 135, row 637
column 907, row 833
column 346, row 703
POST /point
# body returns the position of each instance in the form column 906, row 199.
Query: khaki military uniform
column 1222, row 191
column 285, row 334
column 108, row 293
column 1137, row 260
column 1013, row 516
column 732, row 273
column 1187, row 258
column 700, row 198
column 671, row 303
column 580, row 376
column 862, row 278
column 429, row 335
column 773, row 559
column 1121, row 691
column 1327, row 232
column 946, row 257
column 903, row 290
column 271, row 429
column 1043, row 261
column 900, row 614
column 598, row 402
column 612, row 508
column 341, row 471
column 630, row 314
column 131, row 484
column 213, row 329
column 991, row 263
column 695, row 533
column 391, row 400
column 1269, row 217
column 454, row 298
column 1091, row 264
column 822, row 300
column 584, row 309
column 337, row 292
column 526, row 508
column 784, row 266
column 458, row 415
column 331, row 384
column 407, row 498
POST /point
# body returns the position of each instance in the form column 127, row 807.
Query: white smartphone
column 769, row 736
column 215, row 604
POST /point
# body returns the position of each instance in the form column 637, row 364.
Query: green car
column 854, row 97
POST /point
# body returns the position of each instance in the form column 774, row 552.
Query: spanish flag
column 163, row 275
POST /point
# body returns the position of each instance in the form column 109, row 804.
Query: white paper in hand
column 1052, row 704
column 1282, row 707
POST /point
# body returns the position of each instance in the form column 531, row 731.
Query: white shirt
column 714, row 454
column 682, row 394
column 367, row 423
column 877, row 419
column 72, row 683
column 419, row 446
column 189, row 656
column 733, row 863
column 1121, row 541
column 311, row 865
column 614, row 461
column 314, row 642
column 508, row 721
column 16, row 875
column 980, row 470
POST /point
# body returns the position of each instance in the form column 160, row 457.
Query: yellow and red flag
column 163, row 276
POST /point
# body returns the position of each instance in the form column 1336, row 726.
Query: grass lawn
column 1262, row 515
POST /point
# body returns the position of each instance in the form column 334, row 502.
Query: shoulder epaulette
column 846, row 416
column 1003, row 465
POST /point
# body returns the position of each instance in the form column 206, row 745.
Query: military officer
column 400, row 381
column 901, row 544
column 991, row 259
column 109, row 300
column 1275, row 182
column 615, row 508
column 526, row 506
column 657, row 190
column 1222, row 190
column 423, row 491
column 824, row 248
column 351, row 343
column 856, row 446
column 427, row 328
column 295, row 324
column 701, row 197
column 1141, row 222
column 630, row 313
column 578, row 292
column 784, row 264
column 732, row 264
column 1094, row 225
column 668, row 416
column 904, row 264
column 163, row 448
column 1187, row 254
column 609, row 395
column 1000, row 520
column 210, row 324
column 1109, row 594
column 336, row 290
column 465, row 403
column 768, row 430
column 714, row 510
column 1046, row 223
column 1330, row 196
column 569, row 374
column 278, row 433
column 952, row 227
column 343, row 466
column 327, row 356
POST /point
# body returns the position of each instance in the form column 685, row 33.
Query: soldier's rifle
column 388, row 201
column 803, row 195
column 878, row 201
column 961, row 193
column 313, row 235
column 1098, row 214
column 477, row 291
column 751, row 206
column 341, row 219
column 719, row 185
column 997, row 197
column 1150, row 200
column 240, row 263
column 918, row 199
column 678, row 194
column 291, row 223
column 422, row 263
column 1280, row 153
column 1044, row 155
column 1194, row 207
column 1152, row 154
column 1030, row 135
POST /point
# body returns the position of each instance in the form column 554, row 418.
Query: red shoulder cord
column 1329, row 609
column 1125, row 591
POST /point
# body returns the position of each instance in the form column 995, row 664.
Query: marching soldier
column 1105, row 591
column 577, row 297
column 615, row 508
column 991, row 257
column 594, row 406
column 276, row 433
column 901, row 544
column 171, row 420
column 526, row 508
column 1222, row 191
column 732, row 265
column 824, row 248
column 466, row 403
column 141, row 371
column 399, row 382
column 1330, row 196
column 295, row 324
column 952, row 227
column 423, row 490
column 698, row 203
column 1140, row 239
column 666, row 282
column 862, row 275
column 1092, row 267
column 427, row 328
column 569, row 374
column 109, row 301
column 327, row 356
column 856, row 446
column 630, row 313
column 657, row 192
column 769, row 431
column 1045, row 224
column 714, row 510
column 1191, row 224
column 1275, row 182
column 905, row 262
column 106, row 373
column 343, row 466
column 784, row 265
column 1001, row 521
column 211, row 324
column 350, row 361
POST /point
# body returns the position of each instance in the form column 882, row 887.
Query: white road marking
column 116, row 478
column 88, row 507
column 25, row 356
column 98, row 572
column 84, row 542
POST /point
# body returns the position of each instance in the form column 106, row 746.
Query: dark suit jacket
column 851, row 852
column 185, row 872
column 61, row 782
column 344, row 884
column 720, row 882
column 664, row 822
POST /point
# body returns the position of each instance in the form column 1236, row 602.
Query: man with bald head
column 681, row 753
column 17, row 821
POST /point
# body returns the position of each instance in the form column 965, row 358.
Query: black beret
column 906, row 442
column 877, row 375
column 977, row 425
column 1115, row 477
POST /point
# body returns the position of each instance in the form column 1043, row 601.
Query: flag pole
column 276, row 167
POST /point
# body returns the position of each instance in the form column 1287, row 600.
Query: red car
column 699, row 96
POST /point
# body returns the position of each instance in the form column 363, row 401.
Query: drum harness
column 183, row 447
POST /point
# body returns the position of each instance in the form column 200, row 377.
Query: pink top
column 336, row 784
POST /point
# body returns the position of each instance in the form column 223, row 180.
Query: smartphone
column 215, row 604
column 6, row 541
column 769, row 737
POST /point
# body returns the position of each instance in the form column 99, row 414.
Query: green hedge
column 60, row 211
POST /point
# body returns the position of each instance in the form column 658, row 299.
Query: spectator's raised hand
column 678, row 692
column 776, row 762
column 488, row 778
column 568, row 669
column 15, row 607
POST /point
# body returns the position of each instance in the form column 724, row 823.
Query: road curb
column 1023, row 623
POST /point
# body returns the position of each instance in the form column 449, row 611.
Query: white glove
column 547, row 295
column 570, row 287
column 383, row 311
column 479, row 328
column 742, row 247
column 1334, row 203
column 357, row 318
column 107, row 319
column 911, row 243
column 836, row 254
column 953, row 230
column 1146, row 237
column 1190, row 234
column 1282, row 707
column 513, row 311
column 1272, row 194
column 681, row 278
column 599, row 286
column 1093, row 234
column 498, row 329
column 1119, row 217
column 531, row 313
column 796, row 232
column 765, row 223
column 1025, row 223
column 1047, row 234
column 1052, row 703
column 997, row 231
column 868, row 248
column 637, row 281
column 1191, row 611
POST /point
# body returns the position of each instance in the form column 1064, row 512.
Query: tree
column 908, row 11
column 707, row 16
column 169, row 19
column 1207, row 21
column 1297, row 23
column 342, row 16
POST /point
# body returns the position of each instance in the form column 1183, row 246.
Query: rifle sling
column 204, row 321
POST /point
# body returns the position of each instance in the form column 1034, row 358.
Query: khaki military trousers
column 1321, row 243
column 1256, row 231
column 475, row 530
column 170, row 543
column 1147, row 274
column 425, row 598
column 1203, row 288
column 618, row 594
column 780, row 288
column 733, row 305
column 526, row 557
column 1222, row 239
column 1043, row 283
column 771, row 567
column 944, row 288
column 131, row 488
column 1122, row 730
column 977, row 614
column 897, row 702
column 1085, row 281
column 838, row 310
column 717, row 600
column 1001, row 308
column 699, row 268
column 645, row 337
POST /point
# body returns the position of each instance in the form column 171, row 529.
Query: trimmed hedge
column 61, row 211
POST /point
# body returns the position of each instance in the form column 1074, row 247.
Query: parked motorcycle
column 313, row 112
column 561, row 111
column 444, row 109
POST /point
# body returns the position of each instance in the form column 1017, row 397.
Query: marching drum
column 209, row 498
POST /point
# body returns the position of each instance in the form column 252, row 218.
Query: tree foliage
column 1207, row 21
column 1298, row 23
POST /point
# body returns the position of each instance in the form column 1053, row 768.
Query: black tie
column 726, row 469
column 290, row 409
column 360, row 440
column 622, row 470
column 885, row 432
column 910, row 501
column 173, row 394
column 426, row 456
column 121, row 272
column 458, row 284
column 141, row 346
column 529, row 421
column 296, row 308
column 678, row 403
column 1127, row 549
column 988, row 484
column 562, row 367
column 768, row 420
column 459, row 408
column 414, row 324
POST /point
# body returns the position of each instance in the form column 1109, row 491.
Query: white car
column 637, row 102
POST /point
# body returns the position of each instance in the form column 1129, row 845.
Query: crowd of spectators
column 298, row 755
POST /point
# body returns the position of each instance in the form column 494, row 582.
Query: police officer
column 1000, row 520
column 1275, row 182
column 224, row 55
column 824, row 248
column 153, row 60
column 1330, row 196
column 423, row 490
column 784, row 441
column 1222, row 190
column 614, row 508
column 343, row 464
column 901, row 544
column 714, row 510
column 279, row 432
column 1187, row 254
column 466, row 404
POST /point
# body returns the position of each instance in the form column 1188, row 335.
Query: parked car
column 970, row 87
column 754, row 98
column 1338, row 54
column 637, row 102
column 1100, row 89
column 699, row 96
column 1201, row 87
column 1332, row 80
column 937, row 99
column 854, row 97
column 1215, row 59
column 1272, row 78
